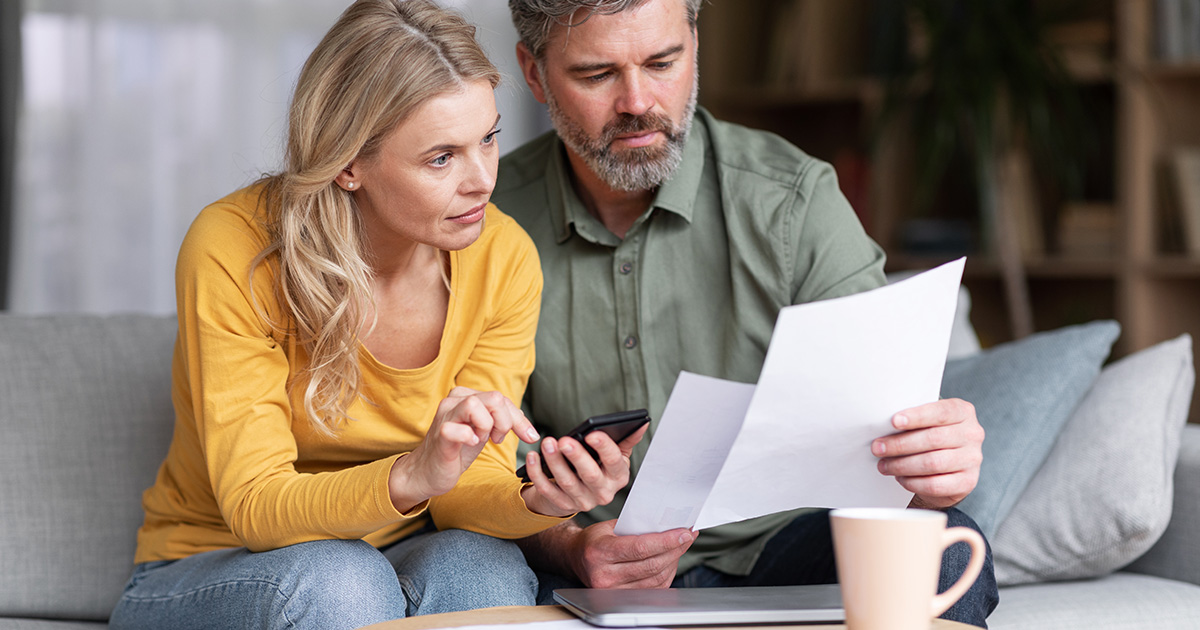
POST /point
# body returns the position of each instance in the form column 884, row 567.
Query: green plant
column 983, row 80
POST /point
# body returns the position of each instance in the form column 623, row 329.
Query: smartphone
column 618, row 425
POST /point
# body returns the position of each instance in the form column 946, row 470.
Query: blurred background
column 129, row 116
column 1055, row 143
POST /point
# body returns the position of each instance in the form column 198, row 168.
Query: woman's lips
column 473, row 215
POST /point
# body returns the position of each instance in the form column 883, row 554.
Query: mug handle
column 953, row 535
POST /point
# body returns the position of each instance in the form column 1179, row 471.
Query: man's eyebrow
column 585, row 68
column 450, row 147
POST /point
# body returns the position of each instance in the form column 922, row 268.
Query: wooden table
column 528, row 614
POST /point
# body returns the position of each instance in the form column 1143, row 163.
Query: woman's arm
column 236, row 369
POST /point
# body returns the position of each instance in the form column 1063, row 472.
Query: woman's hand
column 591, row 483
column 464, row 421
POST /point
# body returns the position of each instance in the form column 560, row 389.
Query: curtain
column 10, row 82
column 137, row 113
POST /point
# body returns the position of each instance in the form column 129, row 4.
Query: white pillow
column 1104, row 494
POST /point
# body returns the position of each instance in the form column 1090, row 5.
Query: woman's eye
column 441, row 160
column 491, row 137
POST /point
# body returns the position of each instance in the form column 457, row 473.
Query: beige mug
column 888, row 563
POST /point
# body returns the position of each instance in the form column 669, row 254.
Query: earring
column 350, row 185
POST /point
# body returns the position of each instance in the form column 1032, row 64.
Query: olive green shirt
column 748, row 224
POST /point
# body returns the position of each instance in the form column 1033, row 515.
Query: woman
column 352, row 332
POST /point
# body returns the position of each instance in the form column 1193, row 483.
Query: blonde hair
column 379, row 62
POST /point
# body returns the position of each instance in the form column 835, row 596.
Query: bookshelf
column 1116, row 254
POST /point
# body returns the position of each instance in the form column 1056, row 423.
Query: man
column 669, row 241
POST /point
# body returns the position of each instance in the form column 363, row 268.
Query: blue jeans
column 327, row 584
column 802, row 553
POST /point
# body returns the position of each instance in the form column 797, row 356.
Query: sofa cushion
column 1023, row 392
column 85, row 410
column 1176, row 555
column 1103, row 496
column 1121, row 601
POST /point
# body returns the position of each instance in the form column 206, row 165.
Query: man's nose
column 635, row 97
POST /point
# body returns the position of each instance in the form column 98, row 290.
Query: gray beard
column 630, row 170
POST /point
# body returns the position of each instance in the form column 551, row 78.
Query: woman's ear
column 348, row 178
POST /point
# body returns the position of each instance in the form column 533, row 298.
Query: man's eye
column 441, row 160
column 662, row 65
column 596, row 78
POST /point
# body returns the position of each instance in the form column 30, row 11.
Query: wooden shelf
column 842, row 92
column 1142, row 108
column 1173, row 71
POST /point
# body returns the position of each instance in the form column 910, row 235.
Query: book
column 817, row 44
column 1087, row 230
column 1185, row 171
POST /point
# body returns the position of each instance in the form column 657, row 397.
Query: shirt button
column 631, row 342
column 626, row 268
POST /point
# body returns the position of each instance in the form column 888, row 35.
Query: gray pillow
column 1104, row 495
column 86, row 415
column 1023, row 392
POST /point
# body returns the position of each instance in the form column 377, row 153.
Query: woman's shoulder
column 231, row 223
column 503, row 257
column 226, row 236
column 502, row 235
column 240, row 212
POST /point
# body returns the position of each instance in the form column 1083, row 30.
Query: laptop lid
column 704, row 606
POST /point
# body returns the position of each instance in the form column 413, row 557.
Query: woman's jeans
column 327, row 584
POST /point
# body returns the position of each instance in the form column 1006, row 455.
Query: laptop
column 625, row 608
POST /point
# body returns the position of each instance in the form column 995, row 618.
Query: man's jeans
column 327, row 584
column 802, row 553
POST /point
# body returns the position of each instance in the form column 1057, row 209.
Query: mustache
column 630, row 124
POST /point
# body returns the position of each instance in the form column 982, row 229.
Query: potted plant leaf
column 982, row 80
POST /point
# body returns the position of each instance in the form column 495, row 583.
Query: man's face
column 621, row 91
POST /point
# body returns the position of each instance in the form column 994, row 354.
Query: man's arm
column 936, row 452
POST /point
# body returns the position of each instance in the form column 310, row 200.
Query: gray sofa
column 85, row 418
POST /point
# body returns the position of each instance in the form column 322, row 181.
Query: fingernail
column 567, row 448
column 685, row 538
column 548, row 445
column 879, row 448
column 900, row 421
column 531, row 434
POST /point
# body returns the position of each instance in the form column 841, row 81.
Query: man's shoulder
column 525, row 164
column 521, row 182
column 757, row 153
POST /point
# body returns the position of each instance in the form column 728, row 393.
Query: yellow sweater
column 245, row 468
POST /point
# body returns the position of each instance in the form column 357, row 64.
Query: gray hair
column 535, row 18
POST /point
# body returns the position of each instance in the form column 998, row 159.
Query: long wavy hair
column 379, row 62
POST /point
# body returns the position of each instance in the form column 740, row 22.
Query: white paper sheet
column 835, row 373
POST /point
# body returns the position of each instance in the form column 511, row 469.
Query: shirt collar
column 677, row 194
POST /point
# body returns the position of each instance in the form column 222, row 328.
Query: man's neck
column 616, row 209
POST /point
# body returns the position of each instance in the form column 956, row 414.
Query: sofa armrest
column 1177, row 554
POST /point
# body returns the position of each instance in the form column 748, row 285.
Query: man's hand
column 584, row 483
column 935, row 454
column 601, row 559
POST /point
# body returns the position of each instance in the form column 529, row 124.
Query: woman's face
column 433, row 175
